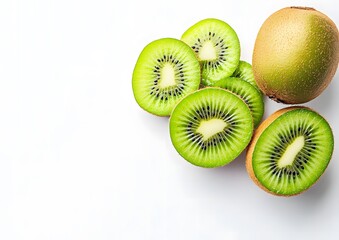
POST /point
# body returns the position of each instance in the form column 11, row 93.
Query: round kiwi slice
column 211, row 127
column 245, row 72
column 217, row 48
column 165, row 72
column 290, row 151
column 248, row 93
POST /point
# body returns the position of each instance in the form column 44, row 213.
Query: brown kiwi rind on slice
column 211, row 127
column 217, row 48
column 166, row 71
column 289, row 151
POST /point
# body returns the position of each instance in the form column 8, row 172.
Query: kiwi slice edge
column 244, row 71
column 248, row 93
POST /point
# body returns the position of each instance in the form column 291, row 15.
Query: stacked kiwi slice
column 216, row 108
column 244, row 71
column 248, row 93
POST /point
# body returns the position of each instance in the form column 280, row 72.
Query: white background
column 80, row 160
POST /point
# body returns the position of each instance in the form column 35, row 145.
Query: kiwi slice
column 245, row 72
column 290, row 151
column 211, row 127
column 217, row 48
column 248, row 93
column 165, row 72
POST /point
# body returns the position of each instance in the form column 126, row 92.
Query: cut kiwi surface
column 245, row 72
column 217, row 48
column 211, row 127
column 165, row 72
column 248, row 93
column 290, row 151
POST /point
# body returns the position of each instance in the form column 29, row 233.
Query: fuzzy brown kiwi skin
column 254, row 140
column 277, row 76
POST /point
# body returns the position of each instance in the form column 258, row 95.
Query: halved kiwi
column 166, row 71
column 245, row 72
column 248, row 93
column 211, row 127
column 290, row 151
column 216, row 46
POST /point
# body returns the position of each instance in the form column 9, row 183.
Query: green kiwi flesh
column 248, row 93
column 211, row 127
column 165, row 72
column 245, row 72
column 217, row 48
column 293, row 152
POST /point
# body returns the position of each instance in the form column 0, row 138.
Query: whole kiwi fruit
column 296, row 54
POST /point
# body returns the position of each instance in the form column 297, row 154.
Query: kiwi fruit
column 248, row 93
column 165, row 72
column 296, row 54
column 290, row 151
column 217, row 48
column 211, row 127
column 244, row 71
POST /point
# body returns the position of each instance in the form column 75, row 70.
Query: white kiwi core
column 167, row 78
column 209, row 128
column 291, row 152
column 208, row 52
